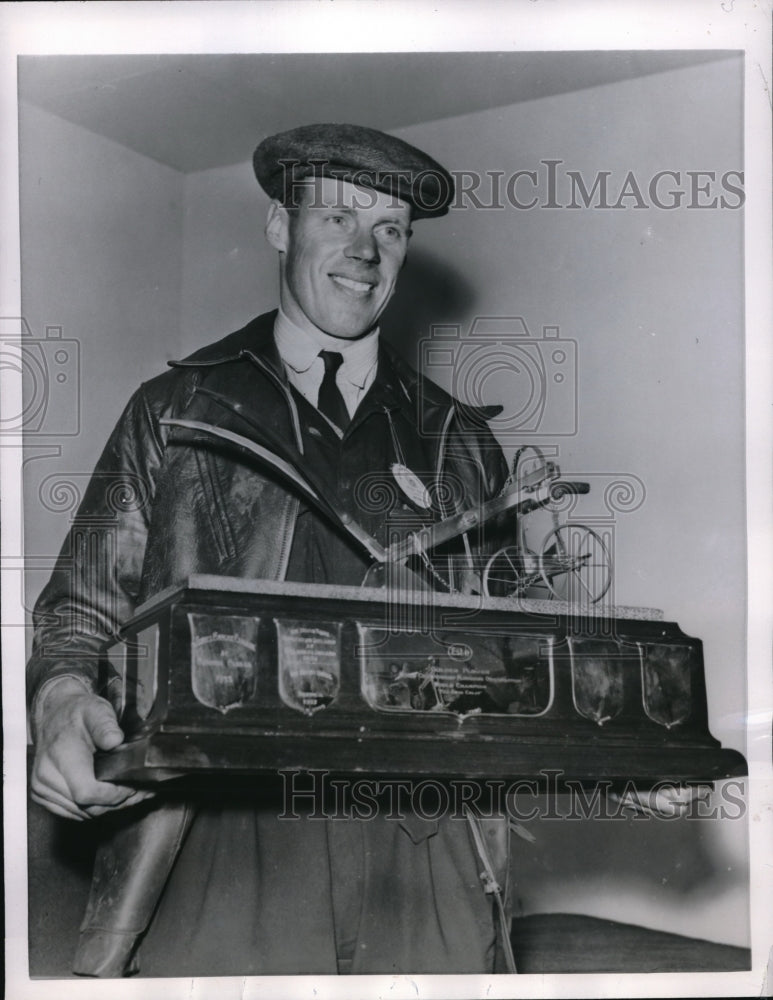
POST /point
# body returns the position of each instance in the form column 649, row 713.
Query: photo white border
column 411, row 25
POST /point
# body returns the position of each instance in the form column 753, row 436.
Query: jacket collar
column 397, row 384
column 256, row 338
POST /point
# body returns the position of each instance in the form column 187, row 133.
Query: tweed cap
column 356, row 154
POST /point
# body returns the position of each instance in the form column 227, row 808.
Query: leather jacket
column 162, row 505
column 165, row 503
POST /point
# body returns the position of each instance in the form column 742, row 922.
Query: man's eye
column 391, row 232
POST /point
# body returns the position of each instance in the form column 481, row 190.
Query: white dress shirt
column 299, row 350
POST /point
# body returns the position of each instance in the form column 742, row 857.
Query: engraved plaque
column 467, row 675
column 223, row 659
column 667, row 682
column 597, row 678
column 309, row 663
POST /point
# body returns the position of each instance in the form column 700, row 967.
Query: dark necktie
column 330, row 401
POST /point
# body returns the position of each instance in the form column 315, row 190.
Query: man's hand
column 73, row 724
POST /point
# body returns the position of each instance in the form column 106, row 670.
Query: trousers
column 253, row 893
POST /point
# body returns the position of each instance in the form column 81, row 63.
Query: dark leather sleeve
column 476, row 457
column 94, row 585
column 132, row 866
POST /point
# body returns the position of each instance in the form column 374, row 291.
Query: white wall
column 229, row 271
column 101, row 237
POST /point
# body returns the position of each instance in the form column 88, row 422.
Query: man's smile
column 353, row 285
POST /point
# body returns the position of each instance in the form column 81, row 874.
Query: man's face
column 342, row 250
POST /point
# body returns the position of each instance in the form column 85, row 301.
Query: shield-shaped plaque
column 223, row 659
column 597, row 678
column 309, row 663
column 667, row 682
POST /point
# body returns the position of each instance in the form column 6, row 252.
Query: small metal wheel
column 575, row 564
column 510, row 572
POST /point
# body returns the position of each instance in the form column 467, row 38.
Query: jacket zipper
column 294, row 418
column 441, row 455
column 288, row 536
column 291, row 509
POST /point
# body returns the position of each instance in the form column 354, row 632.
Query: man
column 251, row 893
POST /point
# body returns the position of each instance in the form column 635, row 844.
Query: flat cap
column 353, row 153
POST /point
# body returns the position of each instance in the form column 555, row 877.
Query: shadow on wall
column 685, row 876
column 429, row 292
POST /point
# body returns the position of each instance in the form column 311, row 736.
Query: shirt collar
column 299, row 348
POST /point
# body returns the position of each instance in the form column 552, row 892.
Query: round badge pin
column 411, row 485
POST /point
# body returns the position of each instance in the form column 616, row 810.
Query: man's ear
column 277, row 226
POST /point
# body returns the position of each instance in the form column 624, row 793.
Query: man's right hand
column 73, row 724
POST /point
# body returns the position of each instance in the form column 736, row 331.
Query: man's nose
column 363, row 247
